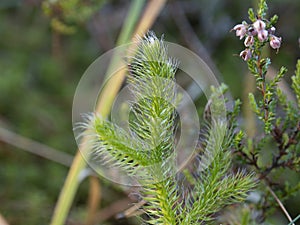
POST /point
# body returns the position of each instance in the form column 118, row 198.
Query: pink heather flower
column 249, row 41
column 272, row 30
column 275, row 42
column 252, row 31
column 259, row 25
column 240, row 30
column 262, row 35
column 246, row 54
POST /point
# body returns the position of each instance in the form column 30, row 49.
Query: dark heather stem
column 263, row 88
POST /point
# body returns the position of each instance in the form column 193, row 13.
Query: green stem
column 68, row 191
column 127, row 31
column 166, row 208
column 294, row 220
column 72, row 182
column 130, row 22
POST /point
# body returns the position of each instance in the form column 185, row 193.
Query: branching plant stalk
column 263, row 86
column 279, row 130
column 162, row 195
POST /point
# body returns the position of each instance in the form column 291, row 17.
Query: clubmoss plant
column 146, row 150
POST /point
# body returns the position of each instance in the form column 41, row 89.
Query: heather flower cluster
column 256, row 32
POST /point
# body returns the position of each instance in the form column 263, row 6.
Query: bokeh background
column 40, row 69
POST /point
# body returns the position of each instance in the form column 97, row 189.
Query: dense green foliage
column 40, row 69
column 150, row 146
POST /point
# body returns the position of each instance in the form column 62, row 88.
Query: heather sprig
column 279, row 116
column 257, row 35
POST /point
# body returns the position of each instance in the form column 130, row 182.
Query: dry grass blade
column 3, row 221
column 71, row 184
column 94, row 200
column 149, row 16
column 35, row 147
column 281, row 206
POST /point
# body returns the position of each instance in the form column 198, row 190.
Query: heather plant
column 274, row 149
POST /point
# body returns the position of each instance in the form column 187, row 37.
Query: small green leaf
column 253, row 104
column 282, row 71
column 273, row 20
column 278, row 121
column 265, row 63
column 236, row 108
column 251, row 15
column 268, row 122
column 252, row 67
column 281, row 97
column 262, row 9
column 245, row 217
column 285, row 138
column 238, row 138
column 296, row 82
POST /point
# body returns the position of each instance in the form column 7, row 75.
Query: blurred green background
column 40, row 69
